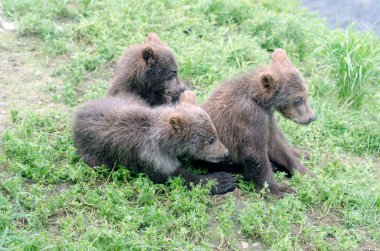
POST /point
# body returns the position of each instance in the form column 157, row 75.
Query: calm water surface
column 341, row 13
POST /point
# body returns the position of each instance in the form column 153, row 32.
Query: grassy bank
column 50, row 199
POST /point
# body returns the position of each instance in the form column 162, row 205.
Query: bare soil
column 24, row 75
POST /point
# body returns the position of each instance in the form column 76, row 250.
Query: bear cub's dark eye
column 212, row 140
column 172, row 74
column 298, row 102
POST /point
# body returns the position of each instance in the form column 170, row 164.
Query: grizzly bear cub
column 242, row 110
column 121, row 130
column 149, row 70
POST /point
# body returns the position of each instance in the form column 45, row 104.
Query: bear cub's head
column 288, row 89
column 161, row 67
column 192, row 127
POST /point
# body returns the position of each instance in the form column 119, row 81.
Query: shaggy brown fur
column 122, row 130
column 242, row 110
column 149, row 70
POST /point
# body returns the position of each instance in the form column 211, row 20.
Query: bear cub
column 242, row 110
column 119, row 130
column 150, row 71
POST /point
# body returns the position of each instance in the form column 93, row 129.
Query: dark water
column 341, row 13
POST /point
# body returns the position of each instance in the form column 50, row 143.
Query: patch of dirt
column 322, row 216
column 374, row 162
column 24, row 74
column 349, row 160
column 369, row 246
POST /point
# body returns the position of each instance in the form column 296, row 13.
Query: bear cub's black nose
column 226, row 154
column 312, row 118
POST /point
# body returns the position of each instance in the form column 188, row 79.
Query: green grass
column 49, row 199
column 353, row 59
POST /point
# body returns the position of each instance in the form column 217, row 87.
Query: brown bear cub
column 242, row 110
column 120, row 130
column 149, row 70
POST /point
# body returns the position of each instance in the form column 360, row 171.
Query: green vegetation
column 353, row 60
column 49, row 199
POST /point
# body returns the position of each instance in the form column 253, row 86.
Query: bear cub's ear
column 279, row 56
column 176, row 122
column 153, row 37
column 267, row 81
column 148, row 55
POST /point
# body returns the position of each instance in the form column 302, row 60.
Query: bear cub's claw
column 300, row 153
column 280, row 191
column 225, row 182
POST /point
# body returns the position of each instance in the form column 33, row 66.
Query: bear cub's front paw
column 300, row 153
column 225, row 182
column 280, row 191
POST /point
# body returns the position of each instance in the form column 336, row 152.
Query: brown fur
column 149, row 70
column 126, row 131
column 242, row 110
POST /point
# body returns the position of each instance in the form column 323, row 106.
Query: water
column 341, row 13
